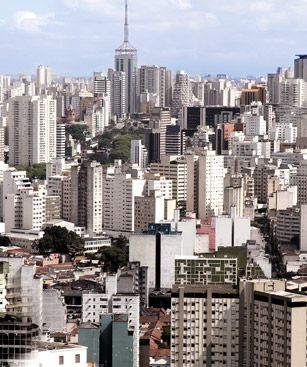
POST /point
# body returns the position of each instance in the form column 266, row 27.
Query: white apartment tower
column 293, row 92
column 139, row 154
column 119, row 192
column 152, row 79
column 210, row 184
column 126, row 61
column 43, row 76
column 32, row 130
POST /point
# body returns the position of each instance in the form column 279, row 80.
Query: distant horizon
column 76, row 37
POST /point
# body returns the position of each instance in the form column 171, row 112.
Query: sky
column 77, row 37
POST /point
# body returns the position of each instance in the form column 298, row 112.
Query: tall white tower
column 43, row 76
column 32, row 130
column 126, row 61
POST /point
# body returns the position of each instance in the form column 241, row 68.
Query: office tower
column 60, row 140
column 126, row 61
column 174, row 168
column 152, row 79
column 152, row 144
column 119, row 192
column 274, row 81
column 118, row 93
column 101, row 84
column 205, row 326
column 210, row 184
column 86, row 197
column 193, row 117
column 182, row 93
column 293, row 92
column 257, row 93
column 161, row 118
column 138, row 154
column 300, row 67
column 43, row 76
column 32, row 130
column 174, row 140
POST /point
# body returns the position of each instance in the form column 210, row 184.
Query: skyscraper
column 118, row 93
column 43, row 76
column 300, row 67
column 126, row 61
column 32, row 130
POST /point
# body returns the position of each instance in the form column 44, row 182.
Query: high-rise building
column 174, row 140
column 118, row 93
column 148, row 209
column 138, row 154
column 205, row 326
column 43, row 76
column 161, row 118
column 300, row 67
column 101, row 84
column 293, row 92
column 182, row 94
column 174, row 168
column 257, row 93
column 193, row 117
column 152, row 143
column 32, row 130
column 86, row 186
column 126, row 61
column 60, row 140
column 210, row 184
column 119, row 192
column 152, row 79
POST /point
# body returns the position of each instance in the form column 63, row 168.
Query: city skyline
column 69, row 35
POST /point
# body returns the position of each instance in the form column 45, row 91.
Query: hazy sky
column 77, row 37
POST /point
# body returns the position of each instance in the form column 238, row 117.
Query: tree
column 77, row 131
column 114, row 257
column 5, row 241
column 34, row 171
column 60, row 240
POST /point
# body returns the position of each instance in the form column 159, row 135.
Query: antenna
column 126, row 22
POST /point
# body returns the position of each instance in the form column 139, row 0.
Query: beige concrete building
column 148, row 209
column 174, row 168
column 204, row 326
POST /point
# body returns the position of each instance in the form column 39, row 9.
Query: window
column 77, row 358
column 61, row 360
